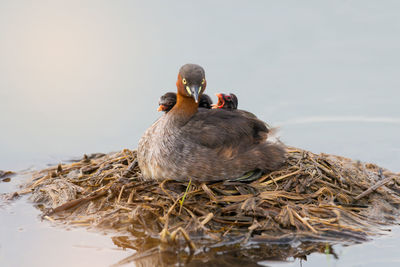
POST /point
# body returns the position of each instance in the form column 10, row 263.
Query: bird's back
column 212, row 145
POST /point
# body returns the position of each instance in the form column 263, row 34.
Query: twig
column 75, row 202
column 373, row 188
column 274, row 180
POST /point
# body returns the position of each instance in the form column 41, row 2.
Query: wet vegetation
column 5, row 176
column 317, row 199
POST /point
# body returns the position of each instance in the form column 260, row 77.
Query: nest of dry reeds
column 314, row 196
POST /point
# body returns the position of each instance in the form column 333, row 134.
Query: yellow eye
column 203, row 81
column 184, row 81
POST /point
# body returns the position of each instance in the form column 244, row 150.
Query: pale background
column 85, row 76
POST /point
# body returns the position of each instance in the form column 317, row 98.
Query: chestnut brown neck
column 185, row 106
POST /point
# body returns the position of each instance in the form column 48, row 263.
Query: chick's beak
column 220, row 103
column 161, row 108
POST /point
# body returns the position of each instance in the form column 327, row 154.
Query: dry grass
column 315, row 197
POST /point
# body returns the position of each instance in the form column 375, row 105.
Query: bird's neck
column 185, row 107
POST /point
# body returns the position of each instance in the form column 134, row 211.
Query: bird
column 168, row 100
column 226, row 101
column 230, row 102
column 204, row 145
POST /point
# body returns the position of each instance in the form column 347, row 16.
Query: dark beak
column 195, row 90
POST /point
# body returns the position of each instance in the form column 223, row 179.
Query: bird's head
column 191, row 81
column 226, row 101
column 166, row 102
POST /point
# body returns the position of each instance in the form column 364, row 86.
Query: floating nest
column 314, row 197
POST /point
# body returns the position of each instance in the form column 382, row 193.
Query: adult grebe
column 204, row 144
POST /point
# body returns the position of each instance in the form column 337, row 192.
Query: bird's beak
column 162, row 108
column 221, row 101
column 194, row 92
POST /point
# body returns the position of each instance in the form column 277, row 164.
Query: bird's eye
column 184, row 81
column 203, row 81
column 228, row 98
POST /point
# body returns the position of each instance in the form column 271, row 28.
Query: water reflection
column 224, row 255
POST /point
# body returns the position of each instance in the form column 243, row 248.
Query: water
column 80, row 77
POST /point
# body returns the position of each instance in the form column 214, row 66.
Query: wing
column 222, row 128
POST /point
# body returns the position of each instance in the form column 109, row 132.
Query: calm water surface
column 85, row 76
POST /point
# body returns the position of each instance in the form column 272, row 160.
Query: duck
column 204, row 145
column 168, row 100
